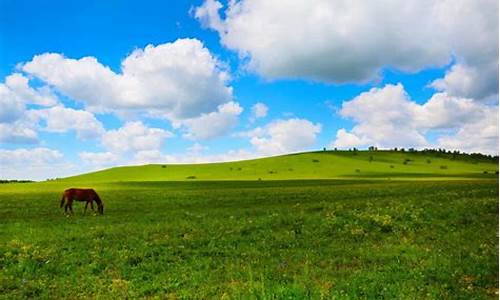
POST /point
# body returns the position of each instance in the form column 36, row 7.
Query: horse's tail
column 62, row 199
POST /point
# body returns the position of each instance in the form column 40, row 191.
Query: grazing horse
column 87, row 195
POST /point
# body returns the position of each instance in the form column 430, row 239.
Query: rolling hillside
column 311, row 165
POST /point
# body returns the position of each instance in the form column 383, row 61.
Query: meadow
column 411, row 234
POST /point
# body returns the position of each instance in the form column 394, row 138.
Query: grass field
column 345, row 238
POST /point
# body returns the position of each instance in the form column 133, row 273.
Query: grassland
column 350, row 238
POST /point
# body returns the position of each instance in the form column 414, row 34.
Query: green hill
column 312, row 165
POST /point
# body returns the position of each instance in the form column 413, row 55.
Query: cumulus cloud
column 335, row 41
column 387, row 117
column 15, row 94
column 99, row 159
column 16, row 125
column 62, row 119
column 214, row 124
column 134, row 137
column 18, row 133
column 283, row 136
column 21, row 91
column 480, row 136
column 34, row 164
column 208, row 14
column 176, row 80
column 469, row 81
column 259, row 110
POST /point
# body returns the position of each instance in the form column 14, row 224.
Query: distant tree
column 324, row 149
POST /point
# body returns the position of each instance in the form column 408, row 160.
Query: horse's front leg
column 85, row 209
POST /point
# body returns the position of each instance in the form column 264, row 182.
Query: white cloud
column 345, row 139
column 259, row 110
column 12, row 108
column 15, row 93
column 387, row 117
column 208, row 14
column 466, row 81
column 336, row 41
column 283, row 136
column 16, row 124
column 62, row 119
column 34, row 164
column 134, row 137
column 176, row 80
column 100, row 159
column 384, row 118
column 480, row 136
column 214, row 124
column 197, row 148
column 22, row 92
column 17, row 133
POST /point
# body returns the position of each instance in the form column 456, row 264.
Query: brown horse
column 87, row 195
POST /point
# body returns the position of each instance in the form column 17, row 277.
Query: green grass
column 430, row 234
column 270, row 239
column 313, row 165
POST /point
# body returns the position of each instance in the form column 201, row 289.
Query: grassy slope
column 313, row 165
column 271, row 239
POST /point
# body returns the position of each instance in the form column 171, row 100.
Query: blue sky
column 321, row 81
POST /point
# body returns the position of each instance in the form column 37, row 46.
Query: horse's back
column 80, row 194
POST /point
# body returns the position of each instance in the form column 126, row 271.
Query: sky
column 87, row 85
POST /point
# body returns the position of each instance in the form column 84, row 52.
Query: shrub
column 163, row 166
column 443, row 167
column 358, row 170
column 191, row 177
column 315, row 160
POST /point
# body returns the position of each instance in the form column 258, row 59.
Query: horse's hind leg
column 85, row 209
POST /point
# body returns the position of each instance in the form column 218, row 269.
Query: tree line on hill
column 15, row 181
column 440, row 152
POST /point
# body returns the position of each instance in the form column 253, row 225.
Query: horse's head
column 100, row 205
